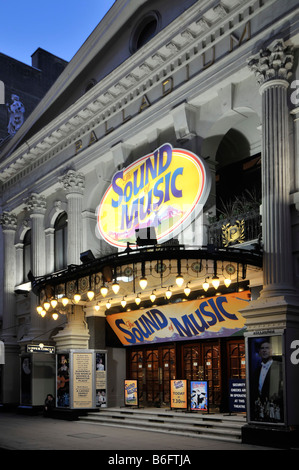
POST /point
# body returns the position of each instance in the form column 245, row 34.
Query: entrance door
column 201, row 361
column 153, row 368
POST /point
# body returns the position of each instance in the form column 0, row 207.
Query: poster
column 178, row 398
column 82, row 380
column 266, row 387
column 101, row 392
column 62, row 381
column 199, row 395
column 131, row 392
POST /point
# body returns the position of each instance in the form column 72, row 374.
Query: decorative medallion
column 232, row 234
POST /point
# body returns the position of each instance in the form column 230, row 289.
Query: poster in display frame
column 199, row 396
column 131, row 392
column 101, row 378
column 237, row 395
column 178, row 394
column 265, row 394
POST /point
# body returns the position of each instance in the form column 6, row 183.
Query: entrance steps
column 193, row 424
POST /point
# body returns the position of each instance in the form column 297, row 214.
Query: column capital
column 273, row 63
column 8, row 221
column 73, row 182
column 36, row 204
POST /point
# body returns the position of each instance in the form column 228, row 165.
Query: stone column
column 36, row 205
column 73, row 184
column 9, row 226
column 272, row 68
column 10, row 376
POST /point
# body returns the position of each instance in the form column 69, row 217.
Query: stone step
column 221, row 427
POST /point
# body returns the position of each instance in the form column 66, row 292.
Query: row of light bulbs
column 42, row 310
column 179, row 281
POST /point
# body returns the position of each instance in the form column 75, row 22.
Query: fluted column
column 73, row 184
column 36, row 206
column 272, row 68
column 9, row 226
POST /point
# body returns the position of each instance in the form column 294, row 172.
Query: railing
column 235, row 230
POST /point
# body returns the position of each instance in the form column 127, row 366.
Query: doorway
column 153, row 368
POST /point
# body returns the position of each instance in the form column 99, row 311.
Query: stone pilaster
column 74, row 184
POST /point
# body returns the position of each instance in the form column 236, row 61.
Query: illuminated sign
column 160, row 190
column 178, row 394
column 197, row 319
column 131, row 392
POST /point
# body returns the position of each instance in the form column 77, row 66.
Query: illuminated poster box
column 178, row 394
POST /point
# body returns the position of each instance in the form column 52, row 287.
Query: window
column 60, row 242
column 27, row 255
column 145, row 31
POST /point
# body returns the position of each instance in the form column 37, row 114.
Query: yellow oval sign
column 159, row 190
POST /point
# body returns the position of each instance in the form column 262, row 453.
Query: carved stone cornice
column 273, row 63
column 73, row 182
column 8, row 221
column 36, row 204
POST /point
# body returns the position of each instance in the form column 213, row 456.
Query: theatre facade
column 149, row 213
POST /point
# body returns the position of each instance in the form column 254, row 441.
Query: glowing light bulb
column 143, row 283
column 54, row 315
column 97, row 307
column 54, row 303
column 108, row 304
column 47, row 306
column 153, row 297
column 77, row 298
column 215, row 282
column 90, row 294
column 187, row 290
column 137, row 300
column 104, row 291
column 123, row 303
column 64, row 301
column 206, row 285
column 179, row 280
column 168, row 294
column 115, row 287
column 39, row 309
column 227, row 282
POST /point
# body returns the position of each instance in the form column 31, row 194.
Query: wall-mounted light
column 108, row 304
column 205, row 285
column 97, row 307
column 227, row 282
column 123, row 302
column 137, row 300
column 153, row 296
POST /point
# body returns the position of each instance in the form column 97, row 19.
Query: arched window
column 60, row 242
column 146, row 29
column 27, row 255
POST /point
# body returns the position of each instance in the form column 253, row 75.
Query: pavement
column 20, row 432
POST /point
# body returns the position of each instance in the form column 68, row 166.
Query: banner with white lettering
column 197, row 319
